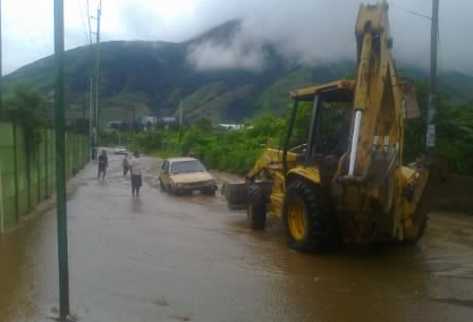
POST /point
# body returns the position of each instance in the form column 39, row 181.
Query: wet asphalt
column 166, row 258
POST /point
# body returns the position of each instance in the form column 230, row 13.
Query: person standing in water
column 126, row 165
column 103, row 165
column 136, row 175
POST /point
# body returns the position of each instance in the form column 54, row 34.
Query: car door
column 165, row 173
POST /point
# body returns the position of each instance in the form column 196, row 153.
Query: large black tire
column 256, row 209
column 320, row 231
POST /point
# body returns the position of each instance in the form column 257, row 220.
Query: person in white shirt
column 136, row 175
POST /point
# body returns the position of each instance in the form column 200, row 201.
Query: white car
column 184, row 175
column 120, row 150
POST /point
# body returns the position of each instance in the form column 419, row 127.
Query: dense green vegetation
column 454, row 132
column 229, row 150
column 27, row 108
column 236, row 150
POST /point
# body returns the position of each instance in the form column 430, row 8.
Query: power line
column 410, row 11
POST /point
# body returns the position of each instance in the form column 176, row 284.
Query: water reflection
column 20, row 275
column 385, row 283
column 136, row 206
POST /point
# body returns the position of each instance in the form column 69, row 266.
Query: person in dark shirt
column 136, row 169
column 126, row 165
column 103, row 165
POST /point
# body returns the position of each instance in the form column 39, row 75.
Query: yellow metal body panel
column 278, row 194
column 309, row 173
column 271, row 161
column 270, row 166
column 296, row 220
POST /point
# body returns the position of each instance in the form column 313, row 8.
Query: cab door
column 165, row 174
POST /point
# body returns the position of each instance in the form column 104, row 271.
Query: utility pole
column 431, row 128
column 97, row 75
column 133, row 119
column 91, row 118
column 181, row 121
column 60, row 161
column 92, row 150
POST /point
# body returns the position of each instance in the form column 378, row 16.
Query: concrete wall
column 26, row 180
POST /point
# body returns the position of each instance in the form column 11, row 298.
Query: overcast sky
column 308, row 30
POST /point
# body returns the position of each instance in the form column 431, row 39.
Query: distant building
column 148, row 122
column 116, row 125
column 149, row 119
column 228, row 126
column 168, row 120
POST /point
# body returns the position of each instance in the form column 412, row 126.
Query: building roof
column 341, row 90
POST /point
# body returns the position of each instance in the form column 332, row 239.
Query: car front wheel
column 209, row 191
column 162, row 186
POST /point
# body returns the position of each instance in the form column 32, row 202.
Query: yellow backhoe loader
column 346, row 181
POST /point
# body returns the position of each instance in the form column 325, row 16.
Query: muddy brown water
column 163, row 258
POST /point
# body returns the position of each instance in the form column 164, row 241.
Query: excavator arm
column 378, row 191
column 378, row 98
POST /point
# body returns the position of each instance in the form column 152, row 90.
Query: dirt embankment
column 454, row 194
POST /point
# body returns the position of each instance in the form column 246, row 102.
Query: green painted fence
column 28, row 178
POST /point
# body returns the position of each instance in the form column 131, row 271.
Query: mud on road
column 166, row 258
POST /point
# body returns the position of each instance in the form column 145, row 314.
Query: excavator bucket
column 236, row 194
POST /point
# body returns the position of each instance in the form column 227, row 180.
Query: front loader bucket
column 236, row 195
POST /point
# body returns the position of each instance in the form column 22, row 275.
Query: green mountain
column 156, row 77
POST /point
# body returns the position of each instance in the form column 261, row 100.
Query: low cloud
column 320, row 31
column 308, row 31
column 237, row 54
column 299, row 33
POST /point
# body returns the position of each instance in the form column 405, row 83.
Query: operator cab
column 320, row 125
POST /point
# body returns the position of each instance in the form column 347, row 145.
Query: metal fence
column 28, row 177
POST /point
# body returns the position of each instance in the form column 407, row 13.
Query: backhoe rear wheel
column 256, row 210
column 309, row 227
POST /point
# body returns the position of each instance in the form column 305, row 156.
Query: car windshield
column 187, row 167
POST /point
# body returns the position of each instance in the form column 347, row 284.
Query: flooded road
column 165, row 258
